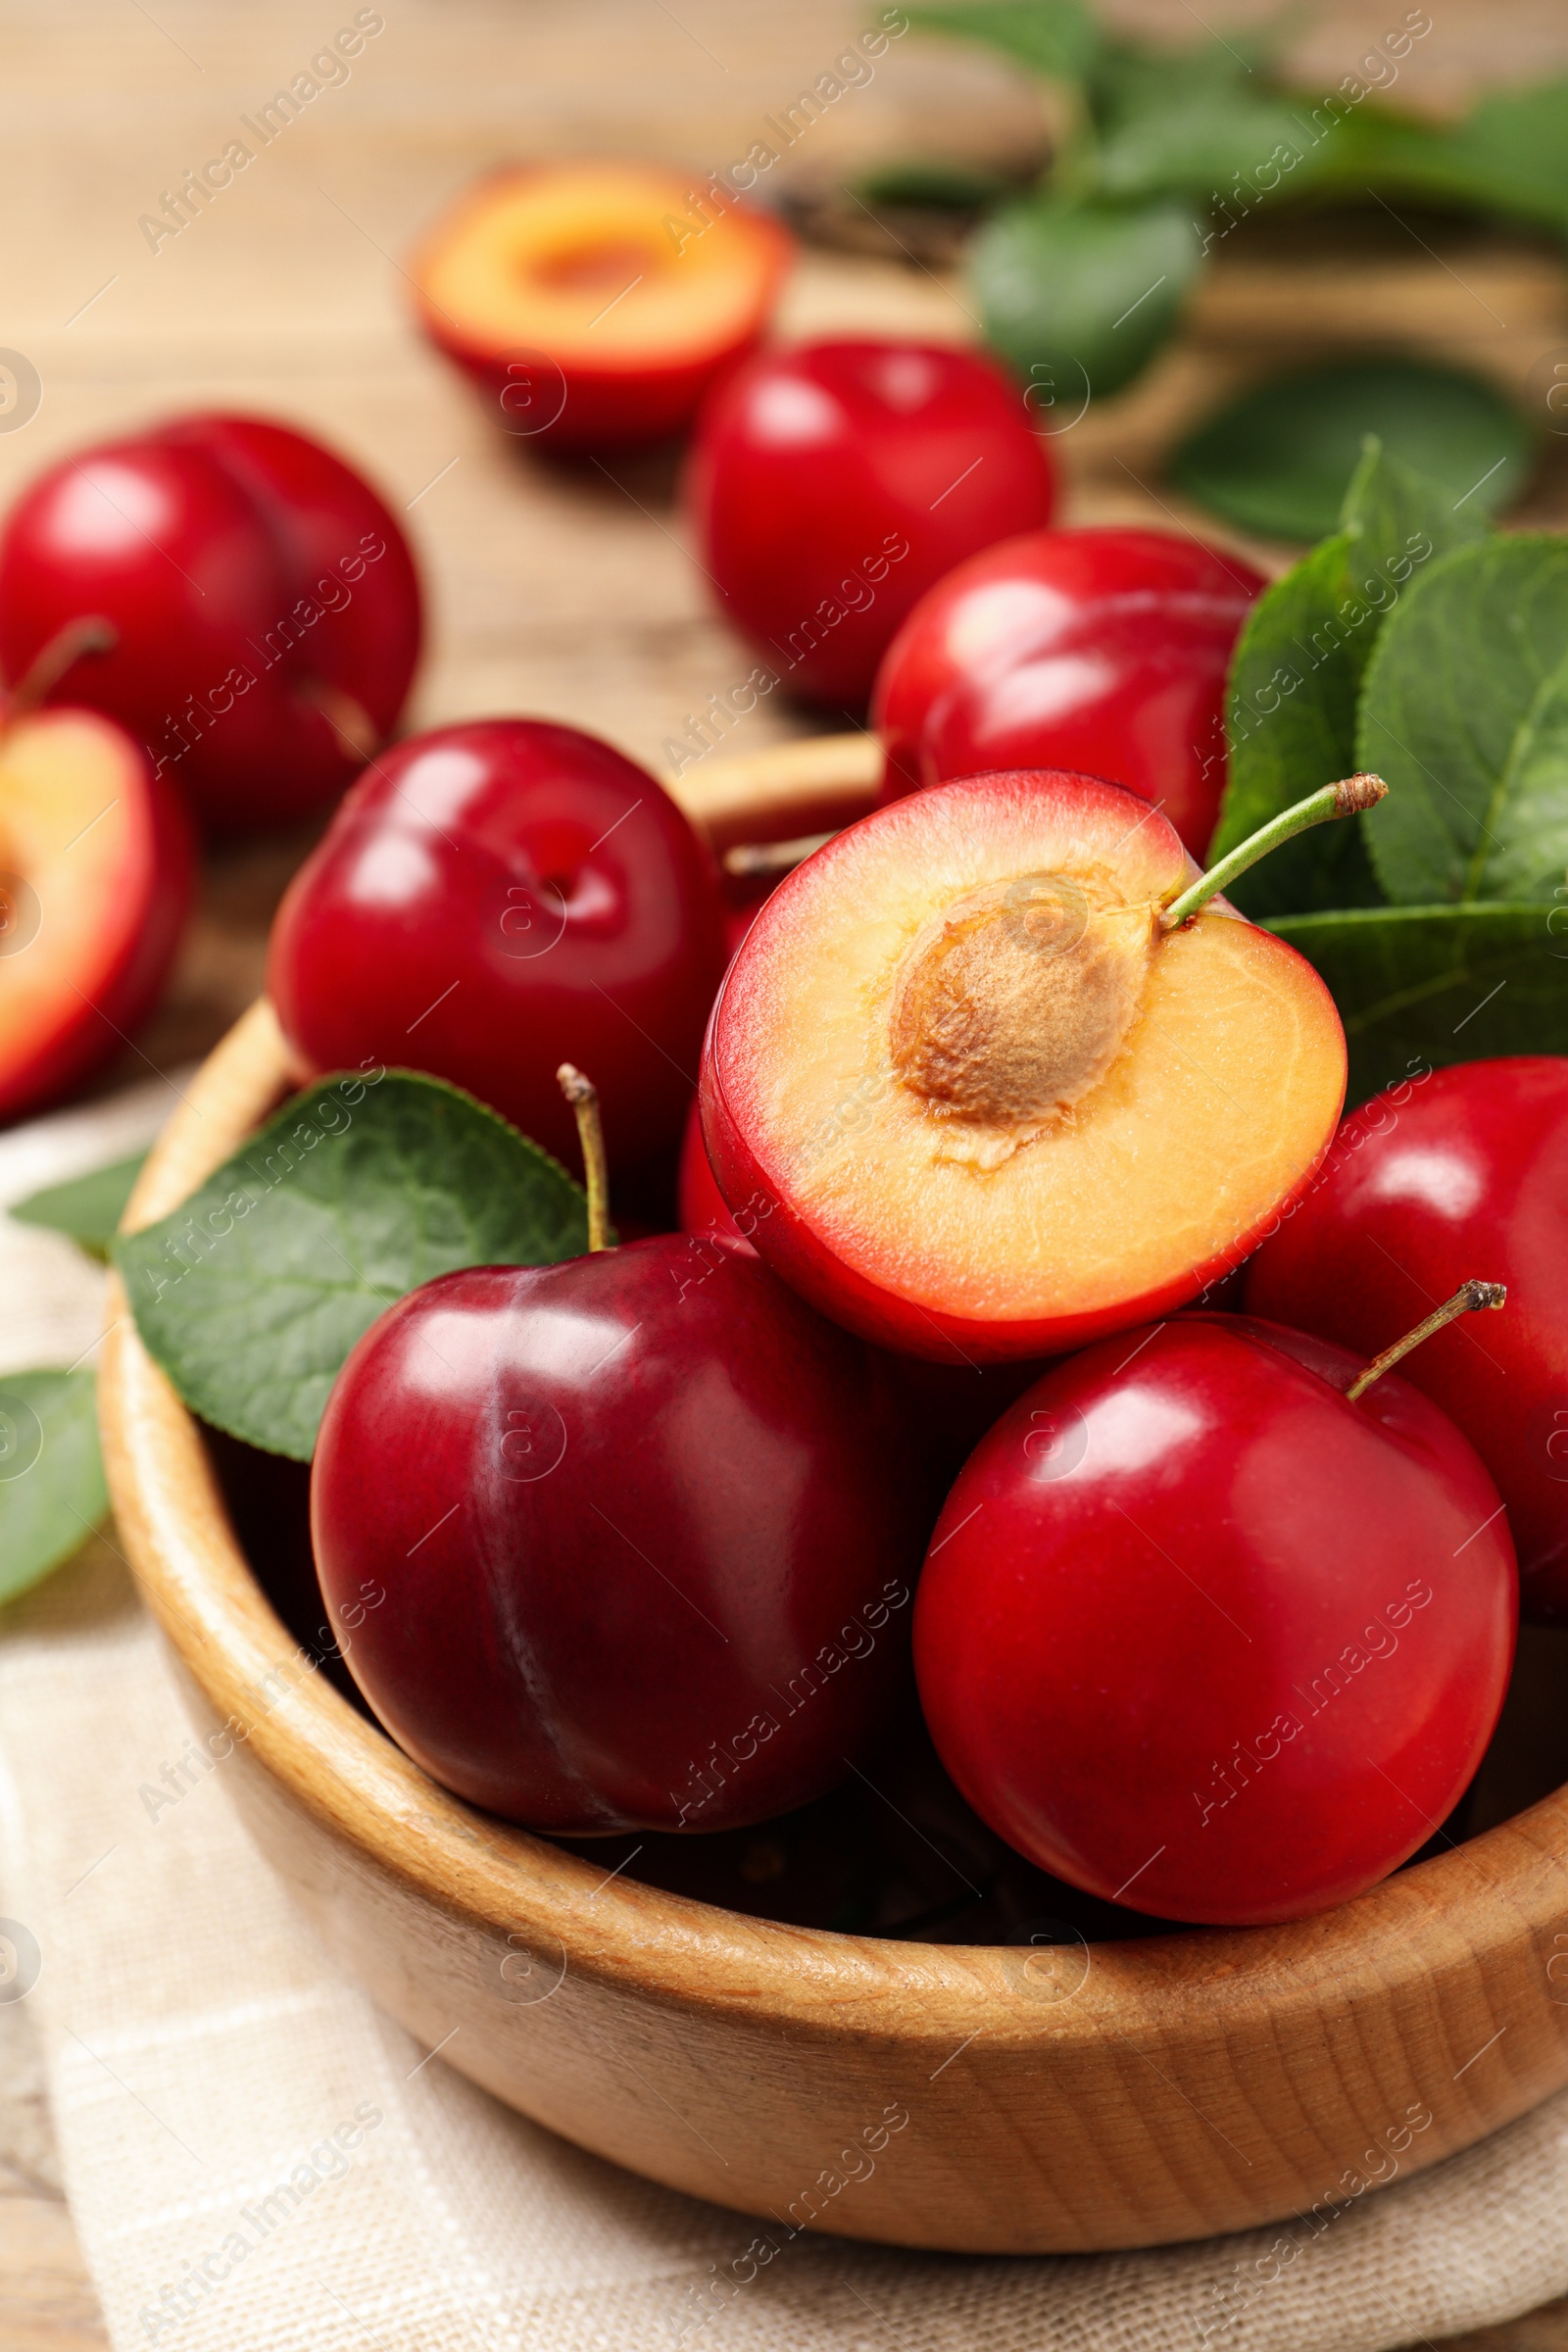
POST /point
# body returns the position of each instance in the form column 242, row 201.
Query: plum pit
column 1013, row 1005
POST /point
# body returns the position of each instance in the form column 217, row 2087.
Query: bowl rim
column 1455, row 1910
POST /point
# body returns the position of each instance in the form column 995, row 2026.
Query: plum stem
column 1465, row 1300
column 90, row 634
column 1345, row 799
column 583, row 1096
column 773, row 858
column 350, row 721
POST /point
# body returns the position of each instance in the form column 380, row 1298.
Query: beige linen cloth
column 258, row 2162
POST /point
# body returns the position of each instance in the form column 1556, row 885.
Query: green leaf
column 1058, row 39
column 1465, row 713
column 1419, row 987
column 1511, row 155
column 1188, row 124
column 1297, row 674
column 52, row 1492
column 1277, row 460
column 1508, row 158
column 88, row 1208
column 1129, row 77
column 1079, row 297
column 1389, row 505
column 252, row 1294
column 1291, row 719
column 1195, row 147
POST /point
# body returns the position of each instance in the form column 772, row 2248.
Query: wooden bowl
column 984, row 2099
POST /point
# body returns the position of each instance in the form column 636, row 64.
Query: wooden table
column 558, row 589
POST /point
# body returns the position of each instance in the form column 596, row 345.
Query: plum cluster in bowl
column 899, row 1689
column 636, row 1549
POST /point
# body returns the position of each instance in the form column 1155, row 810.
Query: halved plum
column 96, row 866
column 593, row 302
column 998, row 1107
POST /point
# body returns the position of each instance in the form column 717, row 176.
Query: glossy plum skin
column 950, row 1405
column 1197, row 1635
column 701, row 1206
column 832, row 484
column 254, row 583
column 1103, row 650
column 495, row 899
column 1463, row 1172
column 648, row 1528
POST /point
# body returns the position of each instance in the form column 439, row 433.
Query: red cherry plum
column 495, row 899
column 649, row 1530
column 1202, row 1637
column 833, row 483
column 1103, row 650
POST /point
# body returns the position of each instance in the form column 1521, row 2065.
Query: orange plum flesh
column 593, row 302
column 95, row 878
column 988, row 1105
